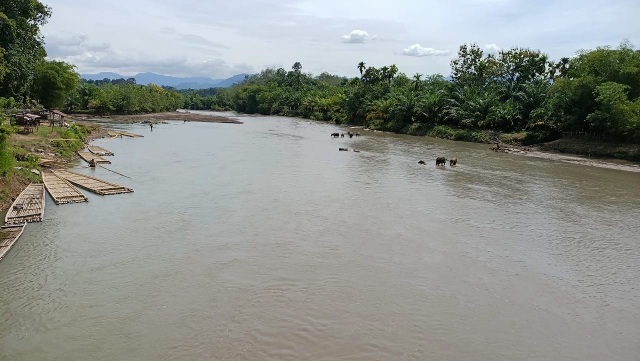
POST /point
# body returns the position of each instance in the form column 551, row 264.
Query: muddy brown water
column 262, row 241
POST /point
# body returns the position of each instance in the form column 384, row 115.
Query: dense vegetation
column 596, row 92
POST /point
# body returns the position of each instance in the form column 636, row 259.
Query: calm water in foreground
column 262, row 241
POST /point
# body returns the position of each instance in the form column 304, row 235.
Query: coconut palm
column 361, row 67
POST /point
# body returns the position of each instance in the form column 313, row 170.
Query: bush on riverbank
column 6, row 156
column 528, row 138
column 466, row 135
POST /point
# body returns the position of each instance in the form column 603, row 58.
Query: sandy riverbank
column 539, row 151
column 156, row 118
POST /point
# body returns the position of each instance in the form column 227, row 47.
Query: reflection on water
column 261, row 241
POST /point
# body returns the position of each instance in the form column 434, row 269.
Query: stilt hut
column 56, row 116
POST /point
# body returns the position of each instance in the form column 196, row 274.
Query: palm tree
column 416, row 78
column 384, row 72
column 361, row 67
column 393, row 70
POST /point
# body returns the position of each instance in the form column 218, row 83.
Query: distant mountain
column 172, row 81
column 104, row 75
column 233, row 80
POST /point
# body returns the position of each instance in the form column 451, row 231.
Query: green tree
column 21, row 44
column 54, row 82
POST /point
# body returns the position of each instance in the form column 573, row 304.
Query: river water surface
column 261, row 241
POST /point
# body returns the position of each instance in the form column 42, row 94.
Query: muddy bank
column 542, row 151
column 594, row 149
column 156, row 118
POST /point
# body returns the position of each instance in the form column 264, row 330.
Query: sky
column 221, row 38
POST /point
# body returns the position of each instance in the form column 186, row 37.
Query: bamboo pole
column 101, row 166
column 108, row 140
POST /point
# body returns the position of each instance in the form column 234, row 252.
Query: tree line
column 515, row 90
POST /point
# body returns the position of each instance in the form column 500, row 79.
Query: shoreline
column 49, row 157
column 185, row 116
column 608, row 163
column 541, row 151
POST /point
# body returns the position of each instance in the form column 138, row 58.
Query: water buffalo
column 453, row 161
column 422, row 162
column 441, row 161
column 335, row 135
column 341, row 135
column 343, row 149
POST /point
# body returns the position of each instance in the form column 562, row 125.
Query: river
column 261, row 241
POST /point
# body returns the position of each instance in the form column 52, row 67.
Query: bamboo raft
column 92, row 184
column 9, row 236
column 28, row 207
column 99, row 150
column 117, row 133
column 60, row 190
column 86, row 156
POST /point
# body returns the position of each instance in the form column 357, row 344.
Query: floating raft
column 86, row 156
column 99, row 150
column 28, row 207
column 9, row 236
column 92, row 184
column 61, row 190
column 117, row 133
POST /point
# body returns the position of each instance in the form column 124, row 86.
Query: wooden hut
column 56, row 116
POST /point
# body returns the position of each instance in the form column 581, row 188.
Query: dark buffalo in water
column 441, row 161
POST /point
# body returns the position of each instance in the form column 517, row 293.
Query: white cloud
column 419, row 51
column 492, row 48
column 311, row 31
column 357, row 36
column 61, row 46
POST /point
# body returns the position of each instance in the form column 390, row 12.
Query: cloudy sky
column 220, row 38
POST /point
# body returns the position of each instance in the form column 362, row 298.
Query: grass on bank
column 20, row 153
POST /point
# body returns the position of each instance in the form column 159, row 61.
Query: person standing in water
column 151, row 125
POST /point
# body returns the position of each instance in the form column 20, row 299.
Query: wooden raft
column 92, row 184
column 99, row 150
column 86, row 156
column 61, row 190
column 9, row 236
column 28, row 207
column 117, row 133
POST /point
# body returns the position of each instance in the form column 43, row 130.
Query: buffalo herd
column 441, row 161
column 341, row 135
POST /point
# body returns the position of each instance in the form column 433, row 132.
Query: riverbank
column 623, row 156
column 57, row 146
column 184, row 116
column 577, row 151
